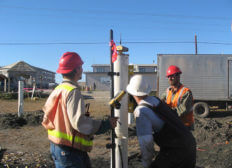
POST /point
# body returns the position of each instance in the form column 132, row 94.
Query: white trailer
column 209, row 77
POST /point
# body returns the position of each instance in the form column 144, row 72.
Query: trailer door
column 230, row 79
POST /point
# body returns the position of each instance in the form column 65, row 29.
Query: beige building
column 11, row 74
column 101, row 80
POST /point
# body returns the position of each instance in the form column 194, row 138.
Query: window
column 100, row 69
column 141, row 69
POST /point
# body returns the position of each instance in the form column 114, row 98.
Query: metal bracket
column 117, row 105
column 110, row 146
column 113, row 73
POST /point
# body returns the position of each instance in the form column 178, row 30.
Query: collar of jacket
column 71, row 82
column 174, row 89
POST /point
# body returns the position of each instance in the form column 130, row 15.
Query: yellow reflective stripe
column 66, row 87
column 83, row 141
column 77, row 139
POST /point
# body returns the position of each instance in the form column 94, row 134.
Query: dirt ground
column 24, row 143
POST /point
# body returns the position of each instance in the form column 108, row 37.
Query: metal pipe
column 130, row 106
column 120, row 83
column 111, row 107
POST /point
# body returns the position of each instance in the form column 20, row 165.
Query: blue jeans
column 67, row 157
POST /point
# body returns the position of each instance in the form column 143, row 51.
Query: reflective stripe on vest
column 77, row 139
column 174, row 102
column 179, row 96
column 188, row 119
column 66, row 87
column 167, row 92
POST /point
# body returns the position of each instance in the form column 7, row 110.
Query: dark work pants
column 170, row 159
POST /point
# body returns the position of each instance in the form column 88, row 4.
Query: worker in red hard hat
column 179, row 97
column 70, row 129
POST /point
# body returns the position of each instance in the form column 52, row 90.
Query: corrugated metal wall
column 205, row 75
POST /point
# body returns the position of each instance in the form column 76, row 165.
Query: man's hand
column 113, row 121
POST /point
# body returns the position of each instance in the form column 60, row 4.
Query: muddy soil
column 23, row 141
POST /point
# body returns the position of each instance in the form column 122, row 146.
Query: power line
column 61, row 43
column 104, row 12
column 144, row 26
column 121, row 12
column 125, row 42
column 174, row 42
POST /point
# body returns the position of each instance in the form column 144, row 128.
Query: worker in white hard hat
column 156, row 122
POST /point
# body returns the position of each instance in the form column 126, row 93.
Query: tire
column 201, row 109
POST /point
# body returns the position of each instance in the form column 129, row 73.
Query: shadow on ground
column 220, row 114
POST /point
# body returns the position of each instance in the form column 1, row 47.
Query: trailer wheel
column 201, row 109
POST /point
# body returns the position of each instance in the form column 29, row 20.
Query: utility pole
column 120, row 39
column 195, row 44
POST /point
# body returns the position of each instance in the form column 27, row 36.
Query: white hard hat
column 138, row 86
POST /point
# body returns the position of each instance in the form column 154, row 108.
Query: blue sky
column 40, row 31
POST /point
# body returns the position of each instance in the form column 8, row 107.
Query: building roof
column 37, row 68
column 20, row 66
column 101, row 65
column 145, row 65
column 2, row 77
column 107, row 65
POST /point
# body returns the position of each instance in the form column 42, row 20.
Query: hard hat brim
column 63, row 71
column 131, row 91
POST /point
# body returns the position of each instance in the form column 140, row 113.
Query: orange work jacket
column 57, row 123
column 187, row 119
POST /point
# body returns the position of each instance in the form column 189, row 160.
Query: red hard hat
column 68, row 62
column 172, row 69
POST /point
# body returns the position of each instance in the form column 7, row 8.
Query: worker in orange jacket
column 70, row 129
column 179, row 97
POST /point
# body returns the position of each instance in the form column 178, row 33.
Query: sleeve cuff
column 104, row 127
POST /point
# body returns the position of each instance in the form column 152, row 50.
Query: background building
column 11, row 74
column 101, row 80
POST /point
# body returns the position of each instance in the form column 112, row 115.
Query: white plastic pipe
column 120, row 83
column 5, row 85
column 20, row 98
column 33, row 90
column 130, row 118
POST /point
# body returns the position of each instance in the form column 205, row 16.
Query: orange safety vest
column 187, row 119
column 57, row 123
